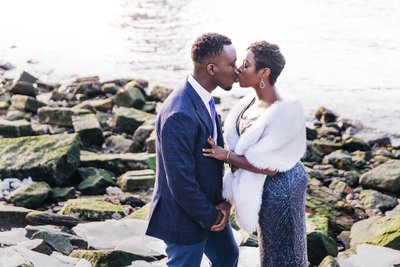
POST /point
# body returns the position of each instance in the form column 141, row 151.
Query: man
column 188, row 211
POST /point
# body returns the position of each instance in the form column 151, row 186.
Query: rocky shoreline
column 77, row 167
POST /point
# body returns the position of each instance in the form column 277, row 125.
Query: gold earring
column 262, row 83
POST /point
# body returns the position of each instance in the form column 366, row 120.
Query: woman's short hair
column 267, row 55
column 207, row 45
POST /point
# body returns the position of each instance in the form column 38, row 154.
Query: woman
column 265, row 134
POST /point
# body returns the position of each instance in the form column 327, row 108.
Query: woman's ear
column 265, row 72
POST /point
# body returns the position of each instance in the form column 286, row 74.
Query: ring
column 212, row 151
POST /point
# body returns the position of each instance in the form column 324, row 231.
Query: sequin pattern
column 282, row 225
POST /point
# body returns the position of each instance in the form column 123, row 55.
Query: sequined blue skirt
column 282, row 225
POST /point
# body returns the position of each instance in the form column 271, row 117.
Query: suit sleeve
column 177, row 137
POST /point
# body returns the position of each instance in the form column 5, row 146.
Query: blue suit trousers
column 219, row 247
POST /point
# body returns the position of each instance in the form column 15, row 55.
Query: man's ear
column 211, row 69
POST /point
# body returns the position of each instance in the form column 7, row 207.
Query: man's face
column 225, row 68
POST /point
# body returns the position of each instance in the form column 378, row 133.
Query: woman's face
column 248, row 76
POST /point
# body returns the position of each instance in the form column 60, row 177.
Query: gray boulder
column 385, row 177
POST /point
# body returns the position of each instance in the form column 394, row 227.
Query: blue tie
column 213, row 114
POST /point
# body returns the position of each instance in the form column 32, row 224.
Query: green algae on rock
column 50, row 158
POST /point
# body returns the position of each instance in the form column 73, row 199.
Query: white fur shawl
column 276, row 141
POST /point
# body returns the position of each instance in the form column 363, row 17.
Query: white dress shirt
column 205, row 97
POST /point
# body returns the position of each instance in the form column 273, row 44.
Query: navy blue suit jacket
column 188, row 185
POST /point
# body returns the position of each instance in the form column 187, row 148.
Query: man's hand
column 225, row 209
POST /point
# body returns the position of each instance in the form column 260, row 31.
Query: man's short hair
column 207, row 45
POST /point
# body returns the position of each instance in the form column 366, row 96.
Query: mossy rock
column 329, row 261
column 63, row 193
column 127, row 120
column 317, row 223
column 109, row 258
column 142, row 213
column 94, row 209
column 95, row 181
column 323, row 201
column 30, row 196
column 152, row 162
column 27, row 103
column 324, row 146
column 15, row 128
column 378, row 231
column 59, row 116
column 116, row 163
column 50, row 158
column 88, row 128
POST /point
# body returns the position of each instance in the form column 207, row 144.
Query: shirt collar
column 203, row 93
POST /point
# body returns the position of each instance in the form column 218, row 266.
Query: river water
column 342, row 54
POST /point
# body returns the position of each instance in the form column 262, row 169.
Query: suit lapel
column 201, row 110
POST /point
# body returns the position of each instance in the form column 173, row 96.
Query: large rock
column 372, row 199
column 319, row 246
column 59, row 116
column 11, row 216
column 30, row 196
column 100, row 104
column 385, row 177
column 41, row 217
column 136, row 180
column 26, row 103
column 131, row 96
column 116, row 163
column 95, row 181
column 325, row 146
column 88, row 128
column 24, row 88
column 50, row 158
column 339, row 159
column 118, row 144
column 379, row 231
column 355, row 143
column 52, row 241
column 140, row 136
column 160, row 93
column 94, row 209
column 15, row 128
column 127, row 120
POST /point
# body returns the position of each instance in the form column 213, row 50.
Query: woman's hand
column 215, row 151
